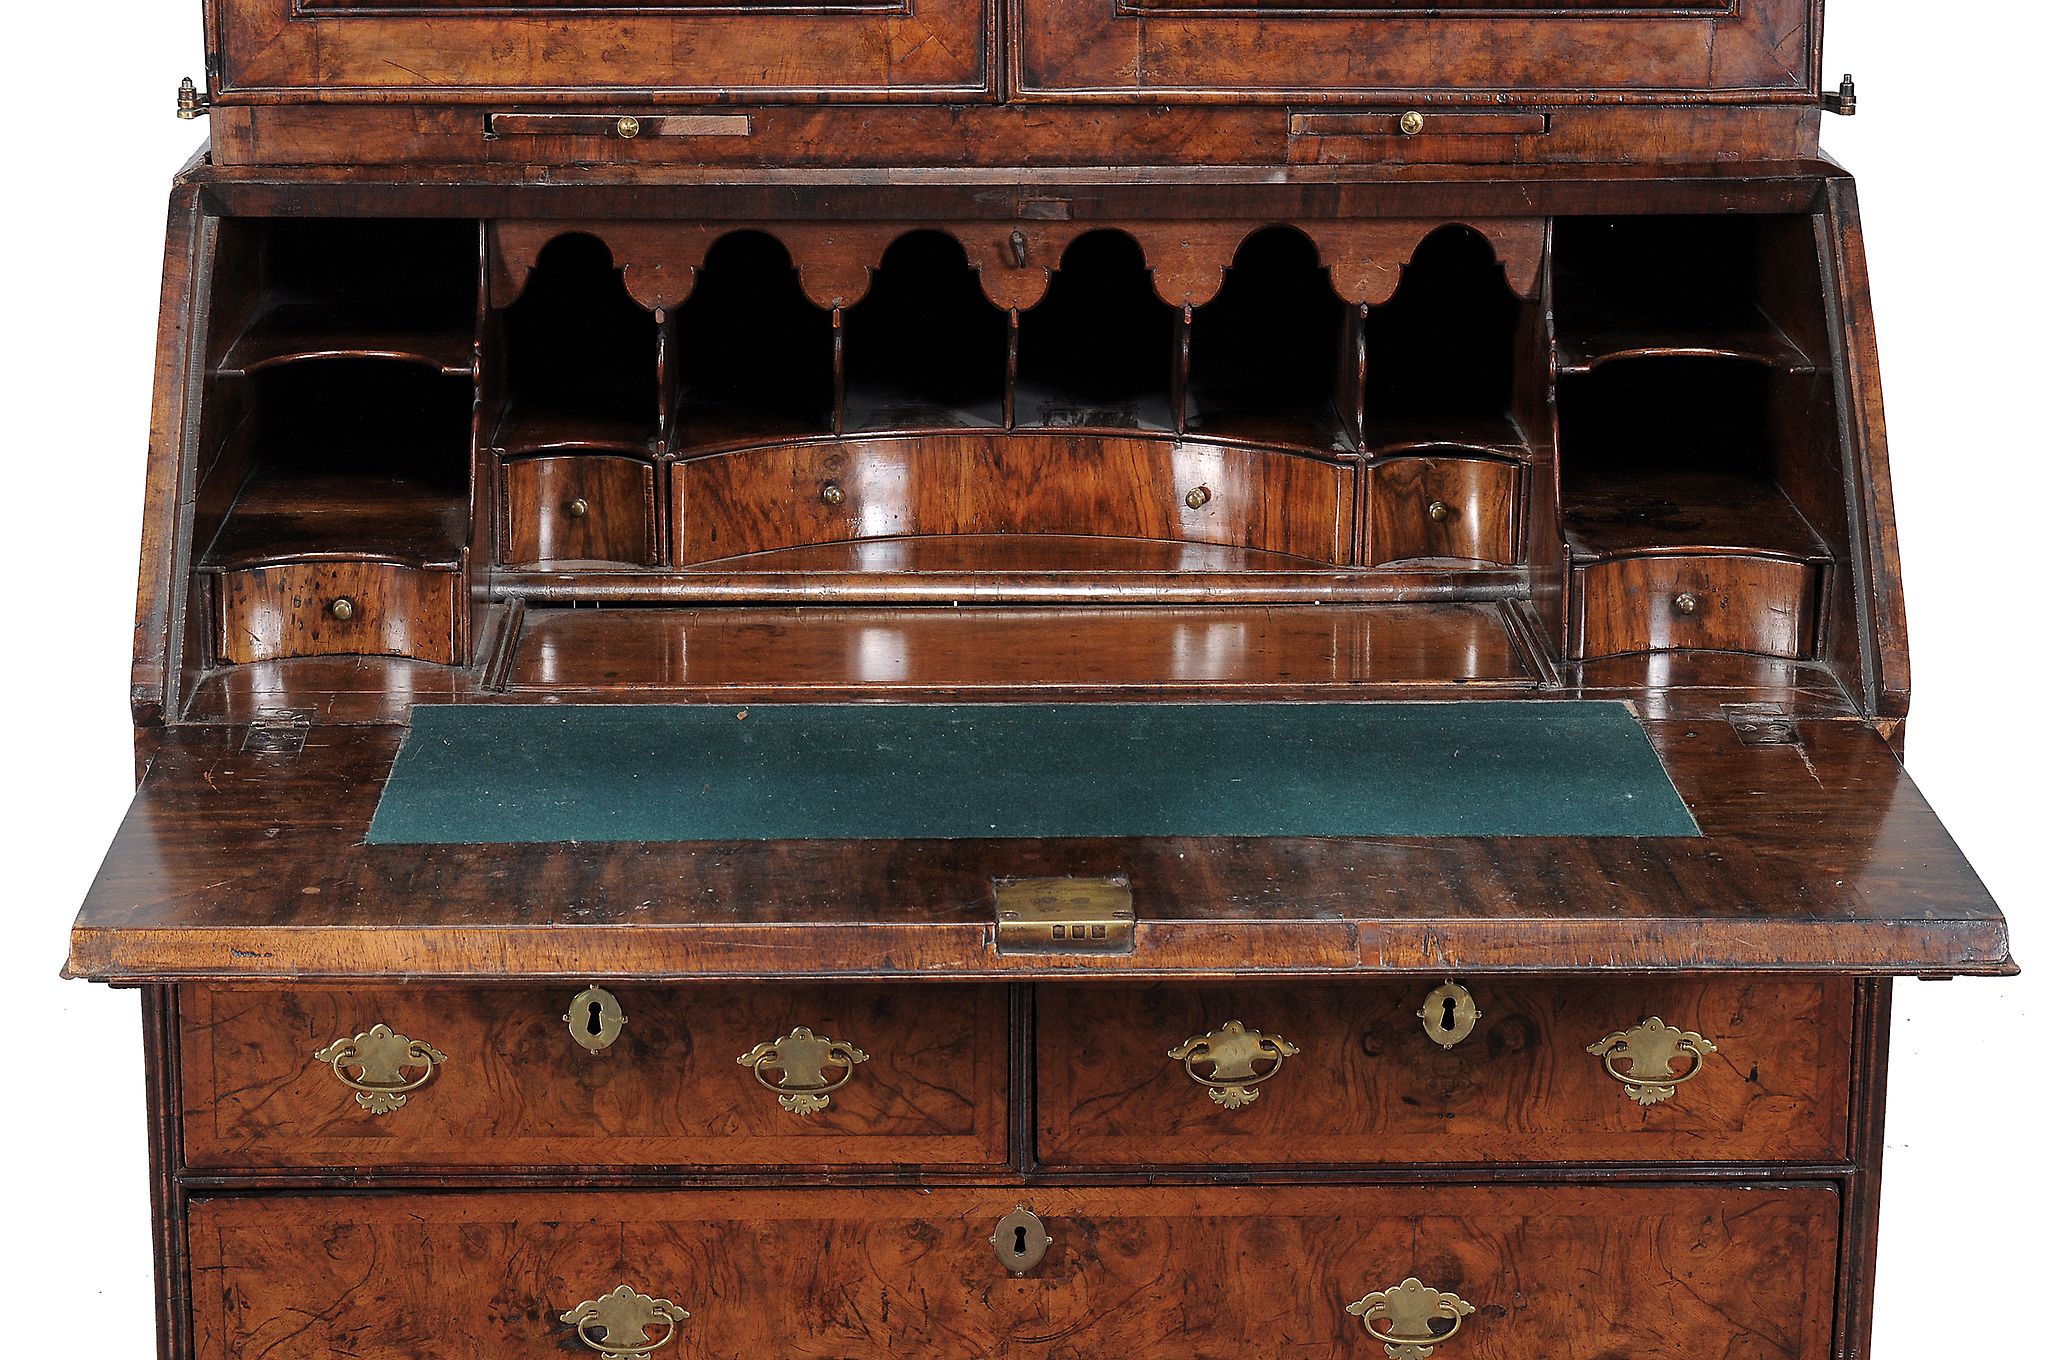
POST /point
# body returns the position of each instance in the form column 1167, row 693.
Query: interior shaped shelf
column 1730, row 286
column 1685, row 453
column 1440, row 355
column 924, row 349
column 581, row 360
column 750, row 356
column 1100, row 350
column 1273, row 357
column 358, row 457
column 318, row 288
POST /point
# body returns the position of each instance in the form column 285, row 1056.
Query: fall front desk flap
column 489, row 774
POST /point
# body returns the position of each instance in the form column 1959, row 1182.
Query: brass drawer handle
column 802, row 1057
column 1685, row 602
column 341, row 609
column 1198, row 498
column 1439, row 512
column 832, row 493
column 381, row 1058
column 1407, row 1310
column 577, row 509
column 624, row 1316
column 1232, row 1055
column 1650, row 1048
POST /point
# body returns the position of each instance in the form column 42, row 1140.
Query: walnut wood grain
column 1813, row 858
column 728, row 505
column 1019, row 653
column 1738, row 603
column 542, row 497
column 516, row 1090
column 1481, row 500
column 290, row 610
column 1368, row 1086
column 1651, row 1272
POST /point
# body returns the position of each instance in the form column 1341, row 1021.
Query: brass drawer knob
column 801, row 1058
column 1198, row 498
column 1238, row 1059
column 1411, row 122
column 381, row 1060
column 624, row 1319
column 629, row 127
column 832, row 494
column 1400, row 1318
column 1685, row 602
column 1651, row 1050
column 577, row 509
column 341, row 609
column 1439, row 512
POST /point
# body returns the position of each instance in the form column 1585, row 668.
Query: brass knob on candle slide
column 629, row 127
column 1411, row 123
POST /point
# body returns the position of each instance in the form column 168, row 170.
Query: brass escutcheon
column 802, row 1058
column 1650, row 1048
column 624, row 1317
column 594, row 1018
column 1448, row 1015
column 381, row 1058
column 1233, row 1054
column 1020, row 1240
column 1407, row 1310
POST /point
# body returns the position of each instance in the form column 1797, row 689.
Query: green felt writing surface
column 481, row 774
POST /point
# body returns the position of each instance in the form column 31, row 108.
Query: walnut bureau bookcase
column 1022, row 678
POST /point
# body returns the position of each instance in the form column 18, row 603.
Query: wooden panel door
column 634, row 51
column 1651, row 1272
column 1566, row 51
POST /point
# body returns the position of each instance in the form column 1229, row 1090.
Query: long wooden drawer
column 1752, row 1070
column 452, row 1077
column 1651, row 1272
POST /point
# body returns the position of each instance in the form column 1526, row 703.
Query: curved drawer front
column 1731, row 1072
column 1430, row 506
column 765, row 499
column 1652, row 1272
column 339, row 608
column 1712, row 602
column 637, row 1076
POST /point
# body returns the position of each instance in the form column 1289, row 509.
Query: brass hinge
column 1064, row 916
column 1761, row 724
column 191, row 103
column 1841, row 100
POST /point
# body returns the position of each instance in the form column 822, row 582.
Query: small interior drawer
column 1378, row 1074
column 339, row 608
column 1441, row 507
column 1703, row 601
column 557, row 1076
column 578, row 508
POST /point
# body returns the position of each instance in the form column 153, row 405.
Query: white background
column 1946, row 153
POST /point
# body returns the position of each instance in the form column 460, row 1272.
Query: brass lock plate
column 1020, row 1240
column 594, row 1019
column 1064, row 916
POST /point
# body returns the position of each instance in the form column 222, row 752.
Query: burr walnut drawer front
column 672, row 1075
column 1475, row 1072
column 339, row 608
column 1704, row 601
column 578, row 508
column 1503, row 1272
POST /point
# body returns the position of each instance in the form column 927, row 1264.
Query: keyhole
column 1018, row 1247
column 596, row 1022
column 1450, row 1021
